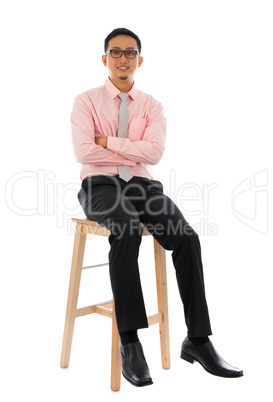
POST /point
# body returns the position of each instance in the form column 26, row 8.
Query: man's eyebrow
column 116, row 47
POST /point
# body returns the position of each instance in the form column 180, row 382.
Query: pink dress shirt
column 95, row 113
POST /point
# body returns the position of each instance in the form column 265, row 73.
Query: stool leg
column 115, row 359
column 72, row 300
column 162, row 298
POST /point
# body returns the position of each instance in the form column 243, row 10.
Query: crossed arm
column 108, row 150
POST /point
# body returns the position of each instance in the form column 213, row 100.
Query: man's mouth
column 123, row 68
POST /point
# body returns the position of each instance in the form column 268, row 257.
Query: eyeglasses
column 129, row 54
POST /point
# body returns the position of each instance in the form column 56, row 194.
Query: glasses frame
column 123, row 52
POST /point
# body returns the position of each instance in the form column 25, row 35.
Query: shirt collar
column 114, row 91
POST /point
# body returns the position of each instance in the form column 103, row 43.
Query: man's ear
column 140, row 61
column 104, row 60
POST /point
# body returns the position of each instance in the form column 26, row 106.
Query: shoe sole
column 191, row 360
column 136, row 384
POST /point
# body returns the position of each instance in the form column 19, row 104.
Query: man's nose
column 123, row 57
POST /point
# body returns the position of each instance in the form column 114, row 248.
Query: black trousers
column 121, row 206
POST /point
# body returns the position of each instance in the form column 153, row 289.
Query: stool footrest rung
column 106, row 310
column 103, row 311
column 96, row 265
column 155, row 319
column 101, row 308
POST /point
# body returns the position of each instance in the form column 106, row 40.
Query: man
column 118, row 132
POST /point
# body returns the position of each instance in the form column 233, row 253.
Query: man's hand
column 102, row 141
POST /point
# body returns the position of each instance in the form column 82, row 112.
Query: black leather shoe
column 207, row 356
column 134, row 366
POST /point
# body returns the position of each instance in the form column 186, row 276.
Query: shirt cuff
column 114, row 144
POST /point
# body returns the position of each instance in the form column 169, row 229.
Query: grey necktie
column 124, row 171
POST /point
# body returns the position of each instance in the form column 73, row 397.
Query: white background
column 210, row 64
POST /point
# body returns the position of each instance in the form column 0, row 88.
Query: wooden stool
column 84, row 226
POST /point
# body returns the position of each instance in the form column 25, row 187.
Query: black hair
column 121, row 31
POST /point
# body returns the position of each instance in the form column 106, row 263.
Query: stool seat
column 95, row 228
column 107, row 309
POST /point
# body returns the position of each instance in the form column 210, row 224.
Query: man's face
column 122, row 68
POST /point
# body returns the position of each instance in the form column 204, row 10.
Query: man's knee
column 125, row 228
column 181, row 231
